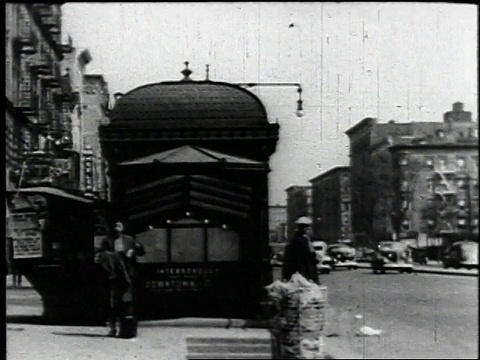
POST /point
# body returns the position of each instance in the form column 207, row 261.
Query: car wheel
column 401, row 271
column 409, row 271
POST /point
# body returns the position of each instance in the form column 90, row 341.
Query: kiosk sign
column 26, row 236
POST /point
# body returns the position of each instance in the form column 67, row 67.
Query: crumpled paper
column 368, row 331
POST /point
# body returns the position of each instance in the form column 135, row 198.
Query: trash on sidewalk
column 368, row 331
column 298, row 323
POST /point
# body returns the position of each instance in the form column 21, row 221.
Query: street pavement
column 433, row 268
column 421, row 316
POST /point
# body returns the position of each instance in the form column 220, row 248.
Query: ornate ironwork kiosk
column 188, row 166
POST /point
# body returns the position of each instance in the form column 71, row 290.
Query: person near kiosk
column 117, row 255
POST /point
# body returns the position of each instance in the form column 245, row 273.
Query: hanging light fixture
column 299, row 111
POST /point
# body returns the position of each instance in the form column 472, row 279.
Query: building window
column 461, row 183
column 404, row 185
column 429, row 161
column 406, row 225
column 440, row 134
column 442, row 164
column 461, row 163
column 430, row 185
column 403, row 161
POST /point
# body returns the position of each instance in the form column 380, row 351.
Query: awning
column 51, row 191
column 189, row 154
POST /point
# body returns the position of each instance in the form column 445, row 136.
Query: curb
column 440, row 271
column 207, row 322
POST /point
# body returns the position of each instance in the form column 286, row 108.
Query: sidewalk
column 183, row 338
column 188, row 338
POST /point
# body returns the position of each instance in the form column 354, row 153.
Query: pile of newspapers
column 299, row 318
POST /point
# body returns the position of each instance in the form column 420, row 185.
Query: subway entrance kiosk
column 188, row 166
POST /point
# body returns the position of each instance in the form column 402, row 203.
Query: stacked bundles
column 297, row 326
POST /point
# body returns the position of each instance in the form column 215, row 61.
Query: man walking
column 299, row 253
column 117, row 255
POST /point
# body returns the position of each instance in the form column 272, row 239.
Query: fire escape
column 452, row 194
column 45, row 98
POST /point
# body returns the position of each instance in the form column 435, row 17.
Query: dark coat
column 121, row 269
column 300, row 258
column 107, row 249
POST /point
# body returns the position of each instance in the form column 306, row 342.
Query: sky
column 392, row 61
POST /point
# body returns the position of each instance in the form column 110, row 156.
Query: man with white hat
column 299, row 253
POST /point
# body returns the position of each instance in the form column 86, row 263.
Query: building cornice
column 330, row 172
column 469, row 145
column 363, row 123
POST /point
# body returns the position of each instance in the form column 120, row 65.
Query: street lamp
column 299, row 112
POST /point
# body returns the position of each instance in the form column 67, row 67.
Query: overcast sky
column 400, row 61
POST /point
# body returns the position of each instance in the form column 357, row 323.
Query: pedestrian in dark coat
column 118, row 256
column 299, row 254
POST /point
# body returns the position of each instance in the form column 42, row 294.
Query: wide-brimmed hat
column 303, row 220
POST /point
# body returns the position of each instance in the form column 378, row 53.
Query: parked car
column 418, row 255
column 364, row 254
column 344, row 256
column 388, row 260
column 325, row 262
column 277, row 259
column 461, row 254
column 341, row 252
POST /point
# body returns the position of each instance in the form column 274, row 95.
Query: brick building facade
column 44, row 81
column 298, row 204
column 377, row 212
column 331, row 205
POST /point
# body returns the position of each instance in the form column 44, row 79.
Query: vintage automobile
column 418, row 255
column 364, row 254
column 461, row 254
column 277, row 259
column 325, row 262
column 344, row 256
column 391, row 260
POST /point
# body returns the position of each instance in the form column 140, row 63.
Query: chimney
column 457, row 114
column 457, row 107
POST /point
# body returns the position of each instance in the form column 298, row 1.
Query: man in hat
column 299, row 253
column 117, row 255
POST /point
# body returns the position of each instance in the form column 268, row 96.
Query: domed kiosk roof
column 189, row 102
